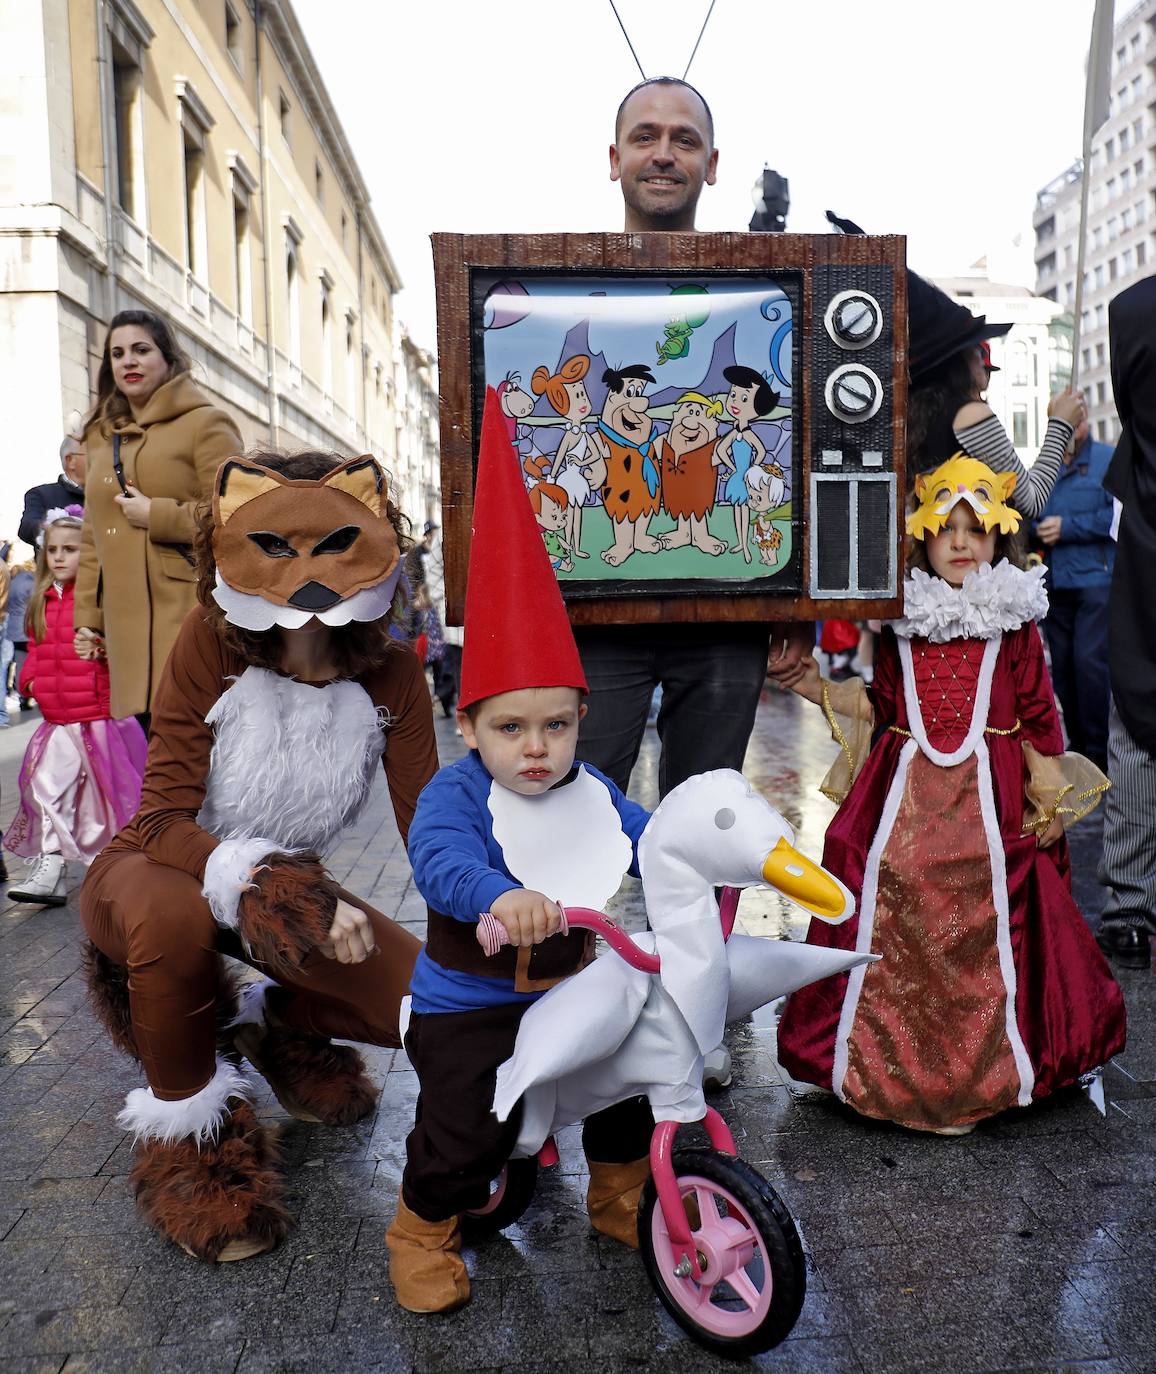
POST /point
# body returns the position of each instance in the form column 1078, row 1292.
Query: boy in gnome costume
column 514, row 828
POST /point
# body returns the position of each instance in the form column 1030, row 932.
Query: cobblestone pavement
column 1026, row 1246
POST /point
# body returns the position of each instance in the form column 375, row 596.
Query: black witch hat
column 937, row 327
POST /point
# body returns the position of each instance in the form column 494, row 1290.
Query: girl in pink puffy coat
column 81, row 776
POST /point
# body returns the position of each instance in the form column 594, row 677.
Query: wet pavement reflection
column 1026, row 1246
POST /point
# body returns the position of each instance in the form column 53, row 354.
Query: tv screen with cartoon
column 677, row 432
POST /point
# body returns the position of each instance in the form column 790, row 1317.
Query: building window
column 233, row 36
column 193, row 154
column 326, row 337
column 293, row 295
column 1141, row 255
column 1098, row 236
column 1019, row 363
column 242, row 266
column 126, row 83
column 344, row 230
column 196, row 122
column 1101, row 316
column 1098, row 277
column 1086, row 356
column 1101, row 393
column 350, row 363
column 1126, row 262
column 1099, row 355
column 284, row 110
column 1125, row 138
column 1019, row 426
column 318, row 183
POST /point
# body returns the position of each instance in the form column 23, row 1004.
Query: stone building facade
column 185, row 157
column 1121, row 233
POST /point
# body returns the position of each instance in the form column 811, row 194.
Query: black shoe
column 1128, row 946
column 3, row 871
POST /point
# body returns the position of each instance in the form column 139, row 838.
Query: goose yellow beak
column 805, row 882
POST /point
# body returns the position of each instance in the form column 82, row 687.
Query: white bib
column 567, row 843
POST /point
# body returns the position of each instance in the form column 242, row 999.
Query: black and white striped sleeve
column 988, row 442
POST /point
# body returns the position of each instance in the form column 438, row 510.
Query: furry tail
column 108, row 996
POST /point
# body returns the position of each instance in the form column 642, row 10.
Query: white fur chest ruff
column 567, row 843
column 290, row 762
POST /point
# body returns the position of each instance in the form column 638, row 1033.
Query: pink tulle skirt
column 79, row 784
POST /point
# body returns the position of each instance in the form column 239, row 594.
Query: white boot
column 46, row 885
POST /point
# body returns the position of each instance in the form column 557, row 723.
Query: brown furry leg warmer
column 288, row 911
column 108, row 996
column 221, row 1201
column 107, row 984
column 313, row 1079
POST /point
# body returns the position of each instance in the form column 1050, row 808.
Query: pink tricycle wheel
column 752, row 1272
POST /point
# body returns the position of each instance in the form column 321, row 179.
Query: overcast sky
column 934, row 119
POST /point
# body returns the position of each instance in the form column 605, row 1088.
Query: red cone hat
column 517, row 634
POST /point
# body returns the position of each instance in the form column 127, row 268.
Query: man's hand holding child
column 529, row 917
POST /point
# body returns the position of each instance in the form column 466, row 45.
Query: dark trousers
column 711, row 678
column 1077, row 632
column 458, row 1146
column 446, row 674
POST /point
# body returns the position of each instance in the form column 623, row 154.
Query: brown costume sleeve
column 411, row 754
column 180, row 744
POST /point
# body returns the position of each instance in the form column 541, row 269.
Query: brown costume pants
column 153, row 920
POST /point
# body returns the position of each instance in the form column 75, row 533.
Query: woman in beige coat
column 154, row 442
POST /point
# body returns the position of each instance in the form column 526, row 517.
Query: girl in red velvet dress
column 991, row 991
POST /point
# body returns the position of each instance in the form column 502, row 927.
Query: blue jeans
column 1076, row 628
column 7, row 653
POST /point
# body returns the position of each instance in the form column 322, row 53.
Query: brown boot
column 612, row 1198
column 218, row 1200
column 425, row 1266
column 312, row 1078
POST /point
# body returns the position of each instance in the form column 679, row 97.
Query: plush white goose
column 611, row 1031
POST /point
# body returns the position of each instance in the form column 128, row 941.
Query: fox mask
column 963, row 479
column 287, row 549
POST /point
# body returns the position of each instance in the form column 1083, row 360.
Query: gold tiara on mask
column 963, row 479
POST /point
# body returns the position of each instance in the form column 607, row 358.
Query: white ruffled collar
column 990, row 602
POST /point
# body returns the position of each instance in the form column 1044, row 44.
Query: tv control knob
column 853, row 393
column 854, row 319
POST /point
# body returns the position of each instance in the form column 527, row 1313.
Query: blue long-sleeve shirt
column 459, row 869
column 1085, row 552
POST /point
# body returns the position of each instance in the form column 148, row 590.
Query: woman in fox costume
column 281, row 694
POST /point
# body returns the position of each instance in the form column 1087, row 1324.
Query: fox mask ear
column 1007, row 483
column 921, row 486
column 237, row 484
column 362, row 479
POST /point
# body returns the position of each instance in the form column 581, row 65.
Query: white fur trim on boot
column 229, row 872
column 198, row 1117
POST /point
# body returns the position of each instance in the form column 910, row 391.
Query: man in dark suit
column 1128, row 864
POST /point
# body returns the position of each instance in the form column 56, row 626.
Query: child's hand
column 1053, row 833
column 88, row 644
column 529, row 917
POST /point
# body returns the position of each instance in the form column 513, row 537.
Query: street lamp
column 772, row 199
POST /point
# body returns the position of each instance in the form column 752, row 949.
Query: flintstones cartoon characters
column 741, row 448
column 765, row 490
column 516, row 405
column 549, row 503
column 624, row 437
column 688, row 472
column 578, row 466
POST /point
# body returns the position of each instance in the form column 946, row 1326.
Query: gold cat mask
column 963, row 479
column 288, row 549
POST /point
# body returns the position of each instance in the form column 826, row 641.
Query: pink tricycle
column 718, row 1243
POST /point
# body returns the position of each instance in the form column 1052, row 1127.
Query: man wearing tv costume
column 965, row 728
column 251, row 776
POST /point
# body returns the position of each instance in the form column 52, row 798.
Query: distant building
column 1034, row 359
column 418, row 455
column 185, row 157
column 1121, row 241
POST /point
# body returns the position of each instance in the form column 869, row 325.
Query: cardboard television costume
column 252, row 775
column 1013, row 1000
